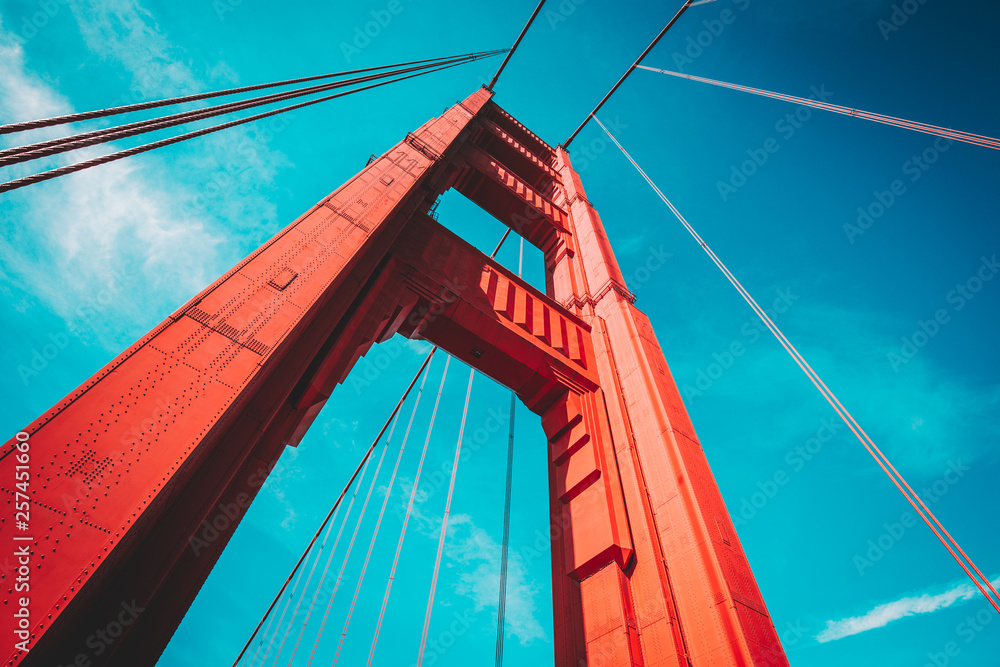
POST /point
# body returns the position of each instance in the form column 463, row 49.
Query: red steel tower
column 184, row 426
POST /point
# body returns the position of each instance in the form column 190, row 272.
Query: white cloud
column 125, row 31
column 285, row 475
column 110, row 249
column 883, row 614
column 472, row 548
column 475, row 557
column 79, row 228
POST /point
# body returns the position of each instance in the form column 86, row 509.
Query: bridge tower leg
column 693, row 598
column 139, row 477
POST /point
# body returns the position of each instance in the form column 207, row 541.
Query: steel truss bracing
column 180, row 431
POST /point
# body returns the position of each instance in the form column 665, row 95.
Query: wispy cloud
column 472, row 548
column 883, row 614
column 108, row 250
column 123, row 30
column 285, row 475
column 474, row 557
column 69, row 236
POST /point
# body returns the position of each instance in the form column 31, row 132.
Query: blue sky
column 91, row 262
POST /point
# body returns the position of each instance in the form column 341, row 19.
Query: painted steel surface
column 143, row 473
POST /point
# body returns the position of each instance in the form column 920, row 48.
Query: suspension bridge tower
column 646, row 565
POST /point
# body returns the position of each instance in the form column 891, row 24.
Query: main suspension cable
column 69, row 169
column 50, row 147
column 319, row 586
column 897, row 479
column 291, row 595
column 517, row 41
column 333, row 509
column 670, row 24
column 406, row 517
column 350, row 545
column 381, row 514
column 102, row 113
column 262, row 637
column 271, row 635
column 947, row 133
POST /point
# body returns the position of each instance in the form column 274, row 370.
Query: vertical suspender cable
column 880, row 458
column 371, row 546
column 291, row 596
column 502, row 603
column 406, row 518
column 505, row 542
column 390, row 420
column 336, row 504
column 268, row 635
column 329, row 559
column 444, row 522
column 350, row 545
column 312, row 570
column 263, row 635
column 502, row 239
column 381, row 514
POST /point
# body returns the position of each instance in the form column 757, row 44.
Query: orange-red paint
column 142, row 474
